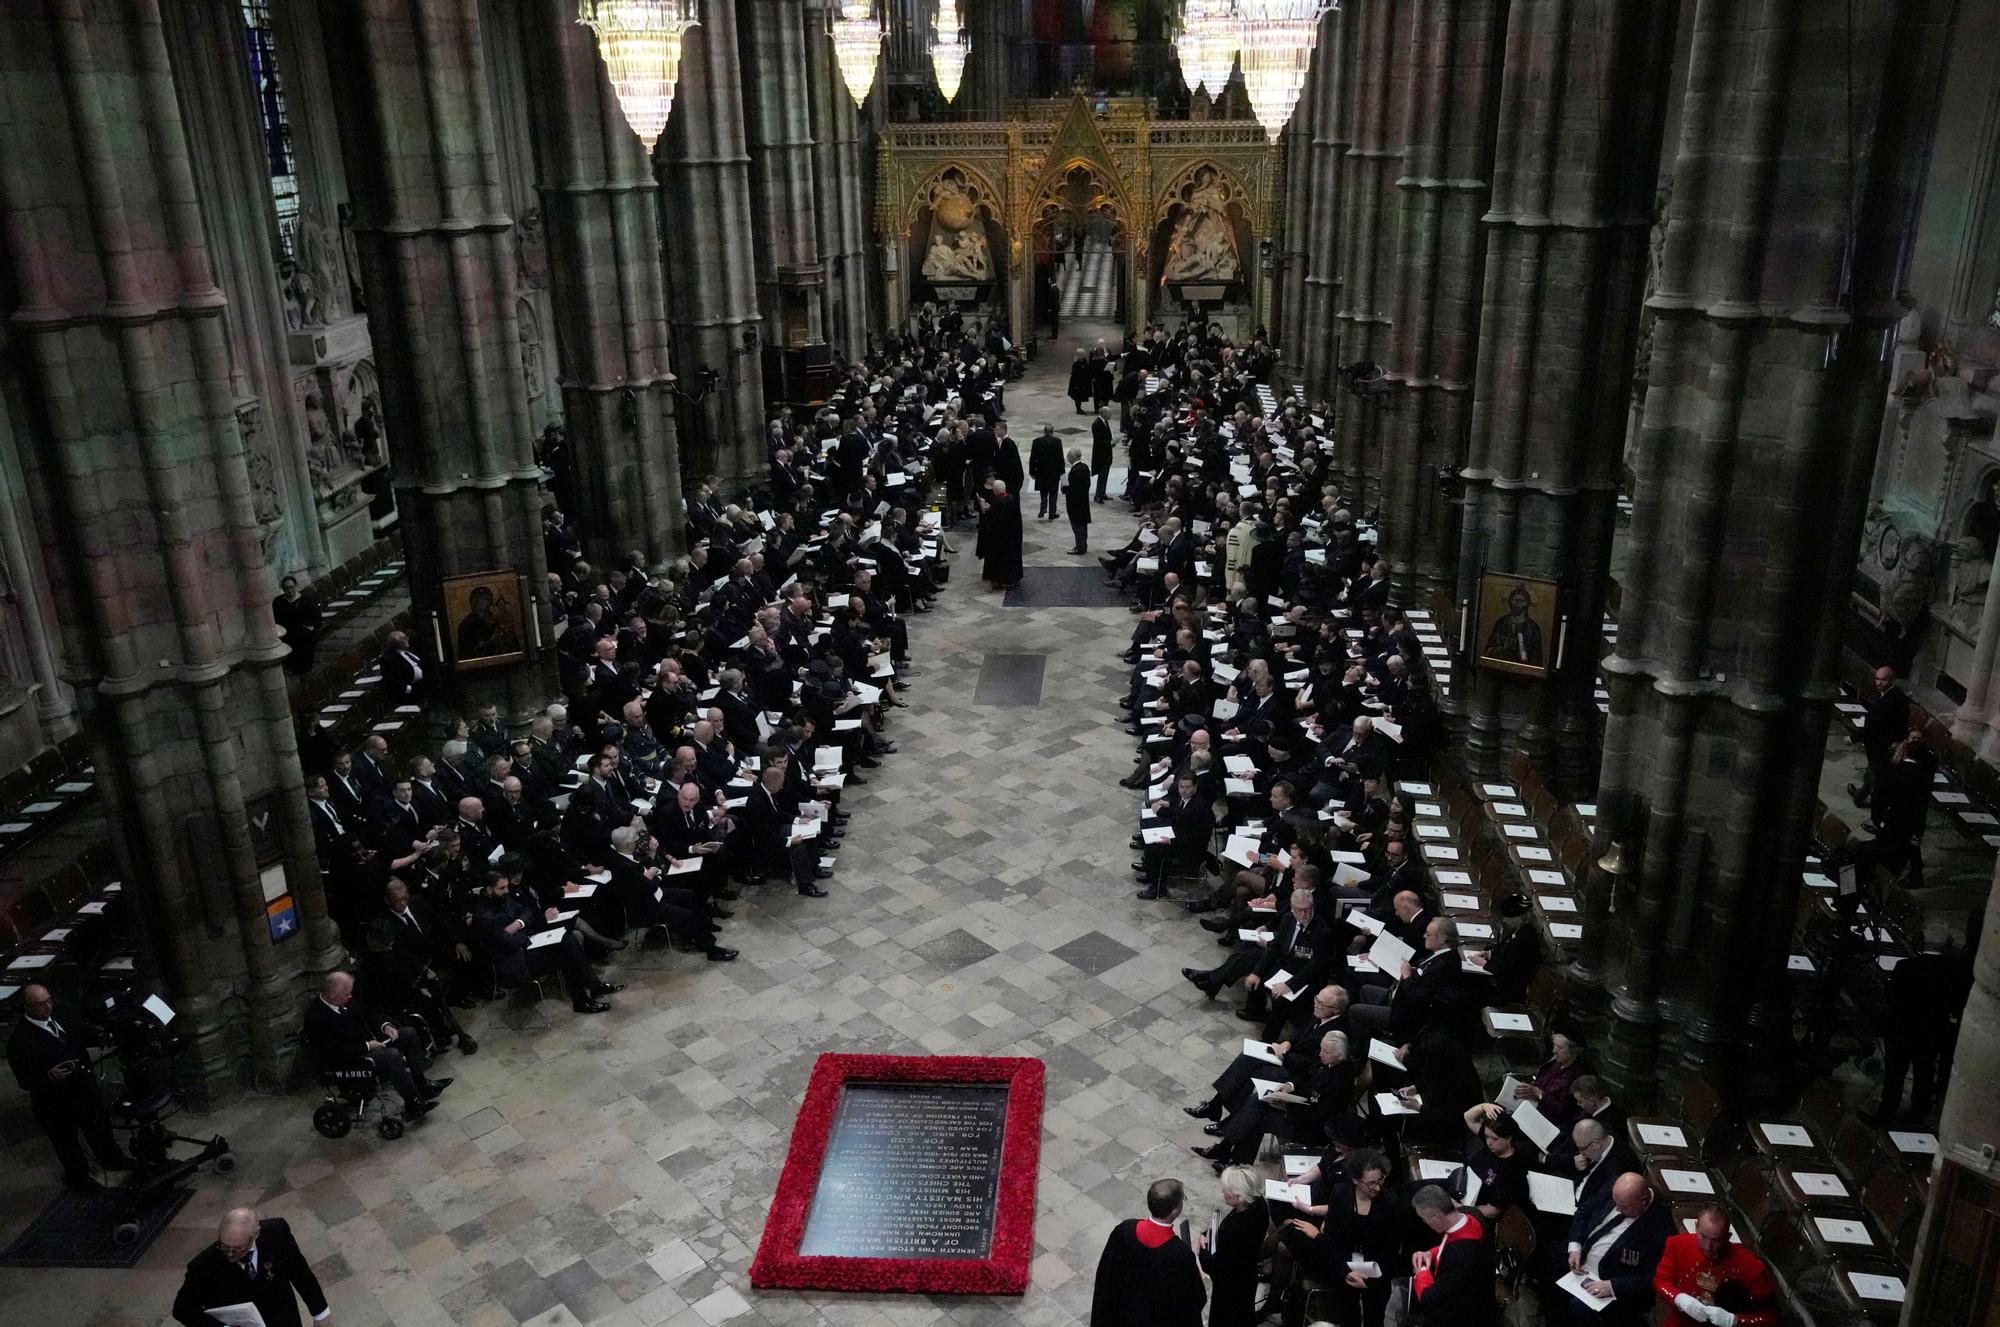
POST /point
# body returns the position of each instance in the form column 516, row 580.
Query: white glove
column 1721, row 1317
column 1691, row 1306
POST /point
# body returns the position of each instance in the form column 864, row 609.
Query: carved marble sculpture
column 958, row 249
column 1203, row 247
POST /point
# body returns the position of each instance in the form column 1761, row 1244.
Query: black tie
column 1613, row 1219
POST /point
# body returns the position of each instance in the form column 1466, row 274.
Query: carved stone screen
column 912, row 1170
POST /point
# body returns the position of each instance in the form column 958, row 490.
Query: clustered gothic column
column 1783, row 255
column 1455, row 48
column 1336, row 57
column 703, row 167
column 133, row 457
column 842, row 166
column 783, row 201
column 600, row 212
column 417, row 131
column 1289, row 325
column 1566, row 245
column 1369, row 205
column 992, row 31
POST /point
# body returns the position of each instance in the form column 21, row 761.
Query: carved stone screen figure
column 1516, row 625
column 912, row 1170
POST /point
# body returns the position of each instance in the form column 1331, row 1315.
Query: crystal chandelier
column 640, row 41
column 948, row 49
column 1207, row 45
column 1277, row 47
column 857, row 42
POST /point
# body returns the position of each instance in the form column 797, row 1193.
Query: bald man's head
column 1631, row 1195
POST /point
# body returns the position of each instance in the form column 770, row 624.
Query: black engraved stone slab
column 912, row 1170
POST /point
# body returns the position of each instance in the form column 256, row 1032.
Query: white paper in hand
column 1573, row 1282
column 1551, row 1194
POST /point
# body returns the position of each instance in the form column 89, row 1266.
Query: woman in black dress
column 1365, row 1231
column 1079, row 379
column 1239, row 1245
column 1497, row 1153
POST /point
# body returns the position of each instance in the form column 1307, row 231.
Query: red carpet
column 780, row 1265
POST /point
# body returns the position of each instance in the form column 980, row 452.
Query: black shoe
column 1138, row 866
column 856, row 781
column 416, row 1110
column 821, row 873
column 608, row 988
column 590, row 1006
column 1078, row 552
column 1250, row 1015
column 1220, row 925
column 866, row 762
column 1225, row 939
column 717, row 954
column 812, row 891
column 1130, row 657
column 466, row 1045
column 1214, row 1153
column 885, row 748
column 1201, row 905
column 719, row 913
column 1207, row 1110
column 728, row 894
column 435, row 1087
column 1149, row 892
column 1137, row 843
column 83, row 1184
column 1136, row 782
column 1212, row 1130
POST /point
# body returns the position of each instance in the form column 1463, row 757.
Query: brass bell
column 1613, row 860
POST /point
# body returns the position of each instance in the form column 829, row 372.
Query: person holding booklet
column 1363, row 1241
column 1232, row 1248
column 1498, row 1154
column 1614, row 1246
column 1303, row 1112
column 253, row 1274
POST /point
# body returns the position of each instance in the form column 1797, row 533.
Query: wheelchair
column 354, row 1094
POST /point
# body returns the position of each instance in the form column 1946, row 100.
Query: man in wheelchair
column 344, row 1037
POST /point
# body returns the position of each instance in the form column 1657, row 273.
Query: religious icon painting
column 484, row 618
column 1515, row 628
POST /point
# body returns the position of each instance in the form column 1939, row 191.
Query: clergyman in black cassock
column 1147, row 1275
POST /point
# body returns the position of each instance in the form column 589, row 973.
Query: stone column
column 1369, row 206
column 1576, row 170
column 135, row 464
column 438, row 265
column 703, row 166
column 1455, row 49
column 1951, row 1269
column 205, row 40
column 784, row 196
column 1752, row 470
column 992, row 27
column 601, row 222
column 1289, row 327
column 842, row 166
column 1335, row 60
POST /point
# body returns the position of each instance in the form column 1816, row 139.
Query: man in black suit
column 1297, row 1057
column 1302, row 945
column 342, row 1037
column 1076, row 500
column 1615, row 1242
column 768, row 815
column 504, row 920
column 1101, row 452
column 1426, row 989
column 1886, row 723
column 53, row 1067
column 640, row 892
column 405, row 677
column 251, row 1262
column 350, row 797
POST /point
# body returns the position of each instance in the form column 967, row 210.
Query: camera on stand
column 143, row 1047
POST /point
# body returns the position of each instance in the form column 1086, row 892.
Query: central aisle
column 618, row 1169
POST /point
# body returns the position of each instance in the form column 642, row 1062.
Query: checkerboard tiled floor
column 617, row 1170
